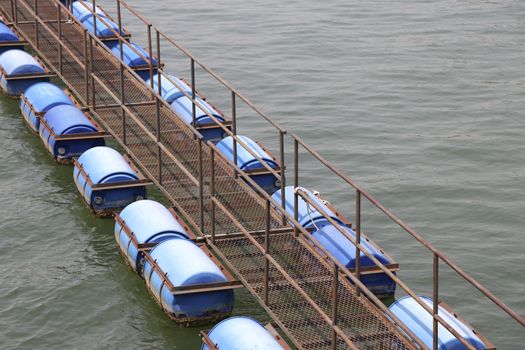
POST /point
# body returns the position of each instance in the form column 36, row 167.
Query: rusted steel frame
column 13, row 9
column 255, row 233
column 266, row 251
column 233, row 134
column 283, row 172
column 15, row 4
column 79, row 136
column 290, row 280
column 223, row 82
column 321, row 252
column 206, row 340
column 201, row 188
column 435, row 301
column 13, row 43
column 357, row 237
column 86, row 66
column 82, row 171
column 28, row 76
column 157, row 109
column 296, row 185
column 193, row 108
column 94, row 12
column 129, row 104
column 385, row 270
column 414, row 234
column 121, row 76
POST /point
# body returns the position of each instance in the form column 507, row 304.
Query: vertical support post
column 59, row 21
column 157, row 106
column 435, row 301
column 12, row 3
column 121, row 71
column 296, row 184
column 15, row 7
column 150, row 53
column 86, row 66
column 193, row 110
column 283, row 176
column 335, row 304
column 266, row 251
column 234, row 127
column 36, row 23
column 92, row 74
column 94, row 9
column 357, row 239
column 201, row 188
column 212, row 194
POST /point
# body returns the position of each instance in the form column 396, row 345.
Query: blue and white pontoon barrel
column 183, row 106
column 149, row 222
column 106, row 29
column 135, row 57
column 104, row 165
column 185, row 264
column 342, row 249
column 241, row 332
column 40, row 98
column 169, row 91
column 8, row 39
column 307, row 214
column 24, row 70
column 249, row 163
column 83, row 9
column 63, row 120
column 420, row 322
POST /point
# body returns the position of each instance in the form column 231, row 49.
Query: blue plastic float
column 183, row 263
column 18, row 71
column 241, row 333
column 420, row 322
column 339, row 246
column 8, row 39
column 206, row 126
column 107, row 29
column 40, row 98
column 83, row 9
column 169, row 91
column 106, row 181
column 67, row 132
column 250, row 164
column 138, row 62
column 146, row 221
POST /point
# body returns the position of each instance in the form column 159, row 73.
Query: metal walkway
column 308, row 294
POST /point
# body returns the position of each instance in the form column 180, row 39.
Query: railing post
column 234, row 127
column 266, row 251
column 283, row 177
column 296, row 184
column 201, row 188
column 193, row 109
column 59, row 21
column 150, row 53
column 95, row 17
column 86, row 66
column 15, row 6
column 435, row 301
column 36, row 23
column 12, row 3
column 335, row 304
column 357, row 239
column 121, row 72
column 92, row 74
column 212, row 194
column 157, row 106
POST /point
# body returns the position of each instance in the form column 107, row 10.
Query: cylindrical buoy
column 420, row 322
column 67, row 120
column 149, row 222
column 241, row 333
column 19, row 63
column 183, row 107
column 9, row 39
column 83, row 9
column 185, row 264
column 249, row 163
column 104, row 165
column 169, row 91
column 135, row 57
column 40, row 98
column 106, row 28
column 307, row 214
